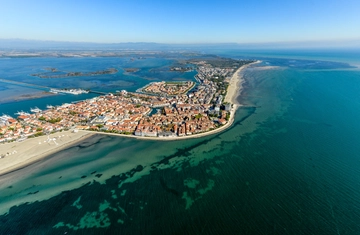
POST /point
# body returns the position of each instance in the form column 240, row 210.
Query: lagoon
column 288, row 166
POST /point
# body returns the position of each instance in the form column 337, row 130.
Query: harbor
column 69, row 91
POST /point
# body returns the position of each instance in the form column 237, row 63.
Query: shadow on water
column 186, row 151
column 56, row 211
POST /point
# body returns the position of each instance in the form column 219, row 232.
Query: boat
column 22, row 113
column 50, row 106
column 5, row 117
column 35, row 110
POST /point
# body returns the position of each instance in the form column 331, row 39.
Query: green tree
column 38, row 134
column 54, row 120
column 198, row 116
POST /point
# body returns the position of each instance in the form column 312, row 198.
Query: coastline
column 21, row 154
column 234, row 89
column 235, row 84
column 33, row 150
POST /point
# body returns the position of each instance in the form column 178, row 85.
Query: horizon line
column 190, row 43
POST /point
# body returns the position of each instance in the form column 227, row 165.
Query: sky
column 187, row 21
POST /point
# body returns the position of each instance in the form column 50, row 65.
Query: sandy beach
column 16, row 155
column 235, row 84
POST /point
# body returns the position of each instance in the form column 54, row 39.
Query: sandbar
column 16, row 155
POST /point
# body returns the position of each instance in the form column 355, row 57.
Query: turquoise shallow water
column 289, row 165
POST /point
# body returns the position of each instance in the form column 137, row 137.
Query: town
column 167, row 88
column 161, row 109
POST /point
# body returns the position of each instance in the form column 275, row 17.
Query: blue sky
column 247, row 21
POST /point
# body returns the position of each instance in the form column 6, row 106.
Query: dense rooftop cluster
column 168, row 88
column 198, row 111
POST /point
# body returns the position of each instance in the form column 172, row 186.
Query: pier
column 98, row 92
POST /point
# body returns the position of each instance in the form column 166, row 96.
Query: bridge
column 98, row 92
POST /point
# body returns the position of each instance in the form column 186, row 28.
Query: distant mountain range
column 22, row 44
column 58, row 45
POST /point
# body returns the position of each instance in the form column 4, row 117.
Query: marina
column 69, row 91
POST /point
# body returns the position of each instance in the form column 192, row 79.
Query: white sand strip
column 235, row 85
column 20, row 154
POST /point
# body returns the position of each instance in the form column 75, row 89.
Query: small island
column 58, row 74
column 131, row 70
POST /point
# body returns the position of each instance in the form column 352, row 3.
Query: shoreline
column 235, row 84
column 28, row 152
column 234, row 89
column 21, row 154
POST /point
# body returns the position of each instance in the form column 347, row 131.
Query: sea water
column 290, row 164
column 150, row 69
